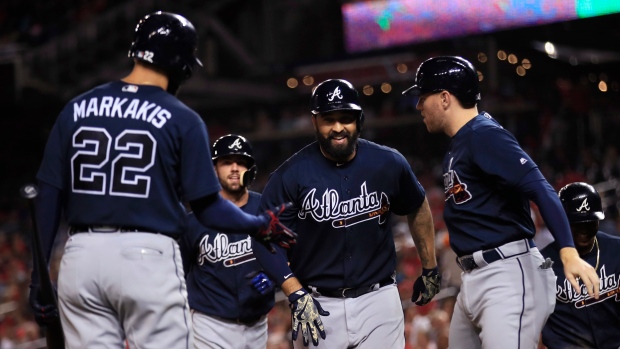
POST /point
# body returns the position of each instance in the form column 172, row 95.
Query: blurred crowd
column 32, row 23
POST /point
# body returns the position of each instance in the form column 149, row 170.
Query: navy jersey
column 217, row 265
column 343, row 212
column 481, row 169
column 125, row 155
column 580, row 321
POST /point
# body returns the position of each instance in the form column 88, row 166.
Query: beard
column 233, row 189
column 340, row 153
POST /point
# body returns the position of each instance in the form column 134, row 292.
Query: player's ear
column 445, row 99
column 313, row 118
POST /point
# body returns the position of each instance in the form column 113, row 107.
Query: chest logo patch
column 454, row 188
column 345, row 213
column 229, row 253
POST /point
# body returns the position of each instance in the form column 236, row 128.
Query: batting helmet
column 168, row 41
column 336, row 94
column 581, row 202
column 232, row 144
column 450, row 73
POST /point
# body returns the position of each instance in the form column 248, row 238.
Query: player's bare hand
column 577, row 270
column 306, row 313
column 426, row 286
column 274, row 231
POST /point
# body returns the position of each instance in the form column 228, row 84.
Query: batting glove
column 274, row 231
column 306, row 313
column 426, row 286
column 260, row 282
column 44, row 314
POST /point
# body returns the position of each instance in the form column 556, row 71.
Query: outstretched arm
column 423, row 233
column 537, row 189
column 221, row 215
column 422, row 230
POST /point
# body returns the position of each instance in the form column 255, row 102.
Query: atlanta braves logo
column 609, row 287
column 231, row 253
column 336, row 93
column 345, row 213
column 584, row 206
column 454, row 188
column 236, row 144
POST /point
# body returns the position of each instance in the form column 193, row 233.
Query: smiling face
column 431, row 106
column 337, row 134
column 229, row 170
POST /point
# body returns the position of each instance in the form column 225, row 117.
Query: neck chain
column 598, row 252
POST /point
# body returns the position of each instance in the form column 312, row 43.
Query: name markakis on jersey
column 610, row 287
column 116, row 107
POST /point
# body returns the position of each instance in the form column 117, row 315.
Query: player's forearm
column 423, row 233
column 568, row 253
column 274, row 264
column 537, row 189
column 222, row 215
column 49, row 208
column 291, row 285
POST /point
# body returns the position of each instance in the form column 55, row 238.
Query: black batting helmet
column 336, row 94
column 450, row 73
column 581, row 202
column 233, row 144
column 168, row 41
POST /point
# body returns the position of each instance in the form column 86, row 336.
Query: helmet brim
column 344, row 106
column 414, row 90
column 590, row 217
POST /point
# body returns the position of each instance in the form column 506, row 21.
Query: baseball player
column 228, row 294
column 119, row 161
column 580, row 321
column 507, row 286
column 340, row 283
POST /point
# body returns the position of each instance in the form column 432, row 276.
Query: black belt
column 246, row 321
column 107, row 229
column 352, row 292
column 468, row 263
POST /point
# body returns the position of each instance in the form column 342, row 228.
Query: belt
column 511, row 249
column 107, row 229
column 352, row 292
column 246, row 321
column 249, row 321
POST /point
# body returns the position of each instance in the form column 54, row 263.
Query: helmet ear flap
column 248, row 176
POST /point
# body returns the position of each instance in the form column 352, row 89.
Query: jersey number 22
column 136, row 154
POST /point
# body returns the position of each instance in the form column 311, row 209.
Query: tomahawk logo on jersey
column 454, row 188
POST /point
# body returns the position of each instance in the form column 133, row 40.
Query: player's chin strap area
column 481, row 259
column 352, row 292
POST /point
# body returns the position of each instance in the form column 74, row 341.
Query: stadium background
column 261, row 60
